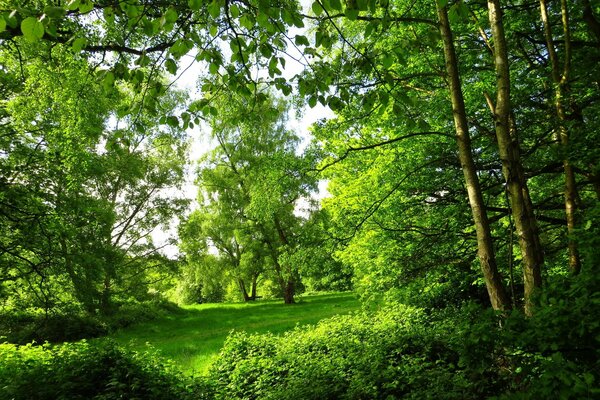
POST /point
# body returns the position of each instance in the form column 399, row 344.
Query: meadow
column 193, row 336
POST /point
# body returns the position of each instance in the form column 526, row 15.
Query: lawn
column 194, row 336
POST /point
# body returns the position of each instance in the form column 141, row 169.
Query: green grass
column 194, row 336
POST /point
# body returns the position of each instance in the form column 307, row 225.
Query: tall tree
column 261, row 178
column 485, row 246
column 512, row 168
column 560, row 84
column 81, row 195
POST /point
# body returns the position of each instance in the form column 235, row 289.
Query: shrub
column 33, row 325
column 85, row 371
column 394, row 353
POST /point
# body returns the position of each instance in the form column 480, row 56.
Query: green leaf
column 246, row 21
column 171, row 66
column 78, row 44
column 195, row 4
column 312, row 101
column 109, row 15
column 86, row 6
column 351, row 14
column 214, row 9
column 108, row 81
column 388, row 60
column 173, row 121
column 234, row 11
column 32, row 29
column 463, row 10
column 171, row 16
column 442, row 3
column 55, row 12
column 73, row 5
column 316, row 8
column 335, row 5
column 213, row 68
column 2, row 24
column 301, row 40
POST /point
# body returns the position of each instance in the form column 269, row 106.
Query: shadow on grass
column 193, row 336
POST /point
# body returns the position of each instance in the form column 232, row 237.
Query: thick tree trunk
column 242, row 287
column 509, row 149
column 560, row 84
column 288, row 285
column 485, row 247
column 288, row 292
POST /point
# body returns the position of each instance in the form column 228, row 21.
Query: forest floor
column 193, row 337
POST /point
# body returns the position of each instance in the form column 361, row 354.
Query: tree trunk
column 485, row 247
column 253, row 289
column 590, row 19
column 288, row 292
column 242, row 287
column 289, row 284
column 105, row 297
column 512, row 169
column 560, row 84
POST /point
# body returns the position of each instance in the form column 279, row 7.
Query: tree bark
column 288, row 292
column 590, row 19
column 253, row 290
column 512, row 168
column 560, row 83
column 485, row 247
column 242, row 287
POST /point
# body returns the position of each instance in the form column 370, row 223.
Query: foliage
column 34, row 325
column 82, row 187
column 193, row 336
column 250, row 186
column 395, row 353
column 404, row 352
column 91, row 371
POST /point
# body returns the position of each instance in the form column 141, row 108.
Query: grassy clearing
column 194, row 336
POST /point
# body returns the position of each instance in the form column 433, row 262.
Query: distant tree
column 82, row 187
column 250, row 185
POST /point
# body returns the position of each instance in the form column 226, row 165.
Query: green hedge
column 397, row 353
column 402, row 352
column 85, row 371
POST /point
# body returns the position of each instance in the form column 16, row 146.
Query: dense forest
column 461, row 155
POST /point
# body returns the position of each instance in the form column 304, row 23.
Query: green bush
column 395, row 353
column 556, row 353
column 85, row 371
column 466, row 352
column 35, row 326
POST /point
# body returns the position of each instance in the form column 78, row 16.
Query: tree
column 253, row 180
column 485, row 246
column 80, row 197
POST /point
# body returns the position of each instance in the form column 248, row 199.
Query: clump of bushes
column 85, row 371
column 397, row 353
column 23, row 327
column 466, row 352
column 56, row 326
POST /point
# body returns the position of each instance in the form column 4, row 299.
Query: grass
column 193, row 337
